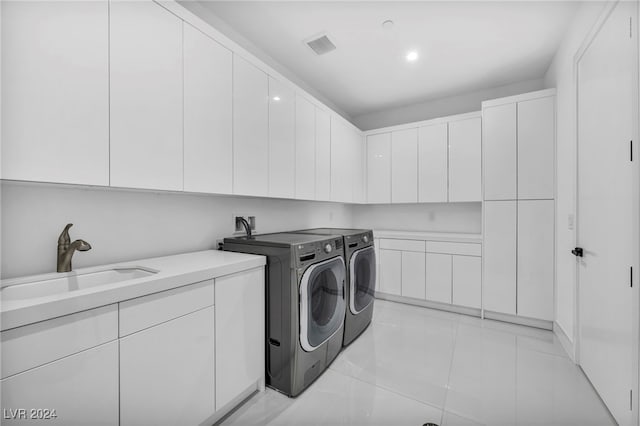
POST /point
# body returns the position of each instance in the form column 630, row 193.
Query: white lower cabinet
column 413, row 274
column 167, row 358
column 167, row 372
column 439, row 277
column 239, row 334
column 79, row 388
column 499, row 270
column 535, row 274
column 445, row 272
column 467, row 281
column 390, row 272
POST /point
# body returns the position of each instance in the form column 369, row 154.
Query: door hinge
column 630, row 399
column 631, row 276
column 630, row 150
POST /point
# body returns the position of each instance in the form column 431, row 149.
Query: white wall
column 561, row 76
column 467, row 102
column 451, row 217
column 126, row 225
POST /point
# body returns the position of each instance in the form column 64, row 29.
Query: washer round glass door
column 362, row 279
column 322, row 302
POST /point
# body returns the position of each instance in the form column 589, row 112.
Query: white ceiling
column 463, row 46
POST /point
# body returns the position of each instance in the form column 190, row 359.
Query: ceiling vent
column 321, row 45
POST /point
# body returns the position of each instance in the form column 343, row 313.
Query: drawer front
column 403, row 245
column 465, row 249
column 36, row 344
column 147, row 311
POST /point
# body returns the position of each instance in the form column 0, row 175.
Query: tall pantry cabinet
column 519, row 205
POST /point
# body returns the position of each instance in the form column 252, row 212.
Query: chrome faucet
column 66, row 248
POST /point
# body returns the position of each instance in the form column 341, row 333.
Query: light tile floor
column 415, row 365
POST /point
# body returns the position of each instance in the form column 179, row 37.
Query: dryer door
column 362, row 277
column 322, row 302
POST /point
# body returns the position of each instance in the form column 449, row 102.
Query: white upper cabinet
column 55, row 91
column 341, row 178
column 250, row 129
column 432, row 163
column 358, row 167
column 379, row 168
column 146, row 96
column 282, row 149
column 465, row 160
column 305, row 149
column 536, row 258
column 536, row 148
column 499, row 142
column 323, row 155
column 404, row 166
column 208, row 129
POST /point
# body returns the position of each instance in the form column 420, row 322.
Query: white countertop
column 428, row 236
column 173, row 271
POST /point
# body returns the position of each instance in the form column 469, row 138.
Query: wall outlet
column 239, row 228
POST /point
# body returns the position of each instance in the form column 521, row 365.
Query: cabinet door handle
column 578, row 252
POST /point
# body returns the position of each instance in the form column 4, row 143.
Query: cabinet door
column 239, row 333
column 467, row 279
column 146, row 96
column 536, row 259
column 404, row 166
column 341, row 175
column 377, row 251
column 357, row 166
column 499, row 152
column 305, row 149
column 413, row 274
column 282, row 140
column 536, row 148
column 499, row 257
column 55, row 92
column 82, row 388
column 323, row 156
column 439, row 277
column 379, row 168
column 390, row 272
column 465, row 160
column 250, row 129
column 208, row 139
column 433, row 164
column 167, row 372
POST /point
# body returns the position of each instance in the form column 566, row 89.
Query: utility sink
column 71, row 282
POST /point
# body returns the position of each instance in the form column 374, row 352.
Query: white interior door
column 606, row 229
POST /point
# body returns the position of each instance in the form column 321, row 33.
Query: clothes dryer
column 361, row 277
column 305, row 304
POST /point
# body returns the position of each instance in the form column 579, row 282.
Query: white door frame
column 634, row 27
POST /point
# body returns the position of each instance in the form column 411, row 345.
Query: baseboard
column 567, row 344
column 428, row 304
column 222, row 413
column 515, row 319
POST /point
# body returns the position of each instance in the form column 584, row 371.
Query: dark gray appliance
column 361, row 277
column 305, row 304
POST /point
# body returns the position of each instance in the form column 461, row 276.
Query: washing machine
column 360, row 258
column 305, row 304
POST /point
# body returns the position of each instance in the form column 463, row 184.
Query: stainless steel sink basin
column 70, row 282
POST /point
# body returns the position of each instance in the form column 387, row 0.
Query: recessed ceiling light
column 276, row 98
column 388, row 24
column 412, row 56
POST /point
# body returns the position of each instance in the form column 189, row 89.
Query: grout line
column 453, row 352
column 386, row 389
